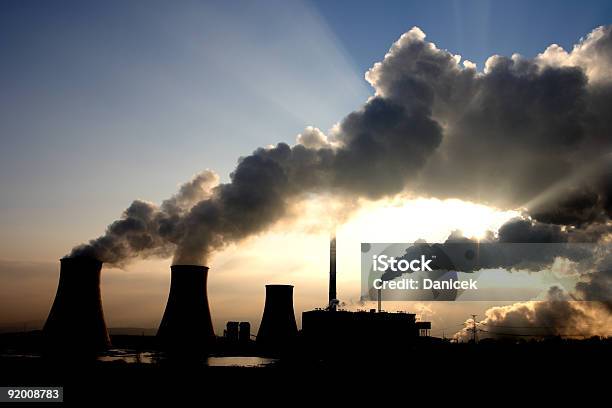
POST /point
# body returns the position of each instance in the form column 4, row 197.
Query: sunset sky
column 103, row 105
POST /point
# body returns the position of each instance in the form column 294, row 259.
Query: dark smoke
column 519, row 244
column 524, row 133
column 146, row 229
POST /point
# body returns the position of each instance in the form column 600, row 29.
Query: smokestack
column 76, row 320
column 278, row 328
column 186, row 324
column 332, row 274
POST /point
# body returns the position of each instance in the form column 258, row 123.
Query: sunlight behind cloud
column 428, row 219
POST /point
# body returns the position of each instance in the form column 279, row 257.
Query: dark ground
column 345, row 373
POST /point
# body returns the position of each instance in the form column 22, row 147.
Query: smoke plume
column 523, row 133
column 557, row 316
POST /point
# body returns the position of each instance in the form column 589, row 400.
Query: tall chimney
column 332, row 274
column 278, row 328
column 76, row 320
column 186, row 324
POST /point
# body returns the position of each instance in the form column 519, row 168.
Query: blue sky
column 476, row 29
column 105, row 102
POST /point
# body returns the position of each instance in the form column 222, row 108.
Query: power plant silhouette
column 186, row 324
column 278, row 328
column 76, row 320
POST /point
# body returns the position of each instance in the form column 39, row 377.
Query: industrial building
column 238, row 332
column 320, row 327
column 323, row 327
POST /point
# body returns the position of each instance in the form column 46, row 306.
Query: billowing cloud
column 313, row 138
column 559, row 315
column 146, row 229
column 511, row 132
column 523, row 133
column 593, row 54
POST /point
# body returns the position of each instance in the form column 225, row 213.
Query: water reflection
column 129, row 356
column 239, row 361
column 152, row 357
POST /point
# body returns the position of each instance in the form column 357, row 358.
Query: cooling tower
column 187, row 325
column 278, row 328
column 76, row 320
